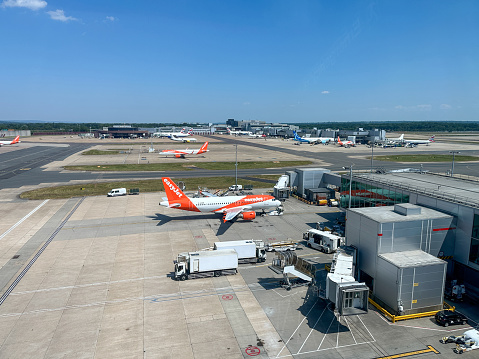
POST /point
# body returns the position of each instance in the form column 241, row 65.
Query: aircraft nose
column 276, row 203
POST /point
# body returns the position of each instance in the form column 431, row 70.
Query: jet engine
column 178, row 156
column 249, row 216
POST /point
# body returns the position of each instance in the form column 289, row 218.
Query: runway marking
column 429, row 349
column 37, row 255
column 23, row 219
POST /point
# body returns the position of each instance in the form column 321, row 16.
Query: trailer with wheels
column 248, row 250
column 206, row 264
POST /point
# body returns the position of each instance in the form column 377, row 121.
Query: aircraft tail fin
column 431, row 139
column 173, row 192
column 16, row 140
column 401, row 137
column 204, row 148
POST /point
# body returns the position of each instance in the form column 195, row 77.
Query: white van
column 236, row 187
column 117, row 192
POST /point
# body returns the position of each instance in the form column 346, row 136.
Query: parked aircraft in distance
column 312, row 140
column 239, row 133
column 397, row 139
column 183, row 139
column 12, row 142
column 182, row 133
column 419, row 142
column 346, row 143
column 254, row 135
column 187, row 152
column 229, row 206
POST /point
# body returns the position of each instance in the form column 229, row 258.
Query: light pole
column 372, row 156
column 453, row 155
column 350, row 181
column 236, row 168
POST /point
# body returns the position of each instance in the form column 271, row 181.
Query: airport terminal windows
column 369, row 195
column 474, row 252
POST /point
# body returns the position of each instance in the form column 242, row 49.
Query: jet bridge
column 339, row 286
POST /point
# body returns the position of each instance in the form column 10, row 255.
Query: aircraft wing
column 232, row 213
column 208, row 194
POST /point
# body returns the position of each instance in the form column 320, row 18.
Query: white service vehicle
column 323, row 241
column 206, row 264
column 236, row 187
column 282, row 246
column 117, row 192
column 248, row 250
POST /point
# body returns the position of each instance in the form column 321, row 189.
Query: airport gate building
column 454, row 201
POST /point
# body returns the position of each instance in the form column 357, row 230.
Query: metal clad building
column 395, row 242
column 450, row 195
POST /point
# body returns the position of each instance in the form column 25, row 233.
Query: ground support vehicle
column 323, row 241
column 117, row 192
column 206, row 264
column 452, row 339
column 248, row 250
column 281, row 246
column 471, row 342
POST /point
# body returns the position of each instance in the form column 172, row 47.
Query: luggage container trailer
column 206, row 264
column 248, row 250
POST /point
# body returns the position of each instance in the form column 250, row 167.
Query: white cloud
column 111, row 18
column 424, row 107
column 325, row 92
column 413, row 108
column 60, row 16
column 29, row 4
column 445, row 107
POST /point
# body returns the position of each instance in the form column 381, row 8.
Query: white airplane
column 182, row 133
column 346, row 143
column 12, row 142
column 397, row 139
column 312, row 139
column 183, row 139
column 229, row 206
column 239, row 133
column 254, row 135
column 183, row 153
column 419, row 142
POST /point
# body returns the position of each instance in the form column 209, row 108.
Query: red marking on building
column 380, row 234
column 443, row 229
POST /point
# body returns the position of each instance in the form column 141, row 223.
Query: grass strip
column 188, row 166
column 155, row 185
column 424, row 158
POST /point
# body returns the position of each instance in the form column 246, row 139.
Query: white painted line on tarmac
column 346, row 320
column 327, row 331
column 23, row 219
column 311, row 331
column 285, row 344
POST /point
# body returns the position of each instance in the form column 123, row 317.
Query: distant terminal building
column 122, row 131
column 456, row 199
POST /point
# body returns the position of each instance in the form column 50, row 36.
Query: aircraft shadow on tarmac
column 222, row 227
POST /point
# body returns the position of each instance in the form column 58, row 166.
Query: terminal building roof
column 452, row 189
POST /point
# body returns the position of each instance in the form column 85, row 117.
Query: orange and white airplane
column 229, row 206
column 12, row 142
column 183, row 153
column 346, row 143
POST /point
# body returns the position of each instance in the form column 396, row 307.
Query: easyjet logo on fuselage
column 173, row 188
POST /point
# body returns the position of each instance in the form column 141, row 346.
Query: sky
column 207, row 61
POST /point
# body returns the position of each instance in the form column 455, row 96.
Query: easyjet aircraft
column 346, row 143
column 183, row 153
column 229, row 206
column 12, row 142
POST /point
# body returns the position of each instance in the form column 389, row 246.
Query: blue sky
column 207, row 61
